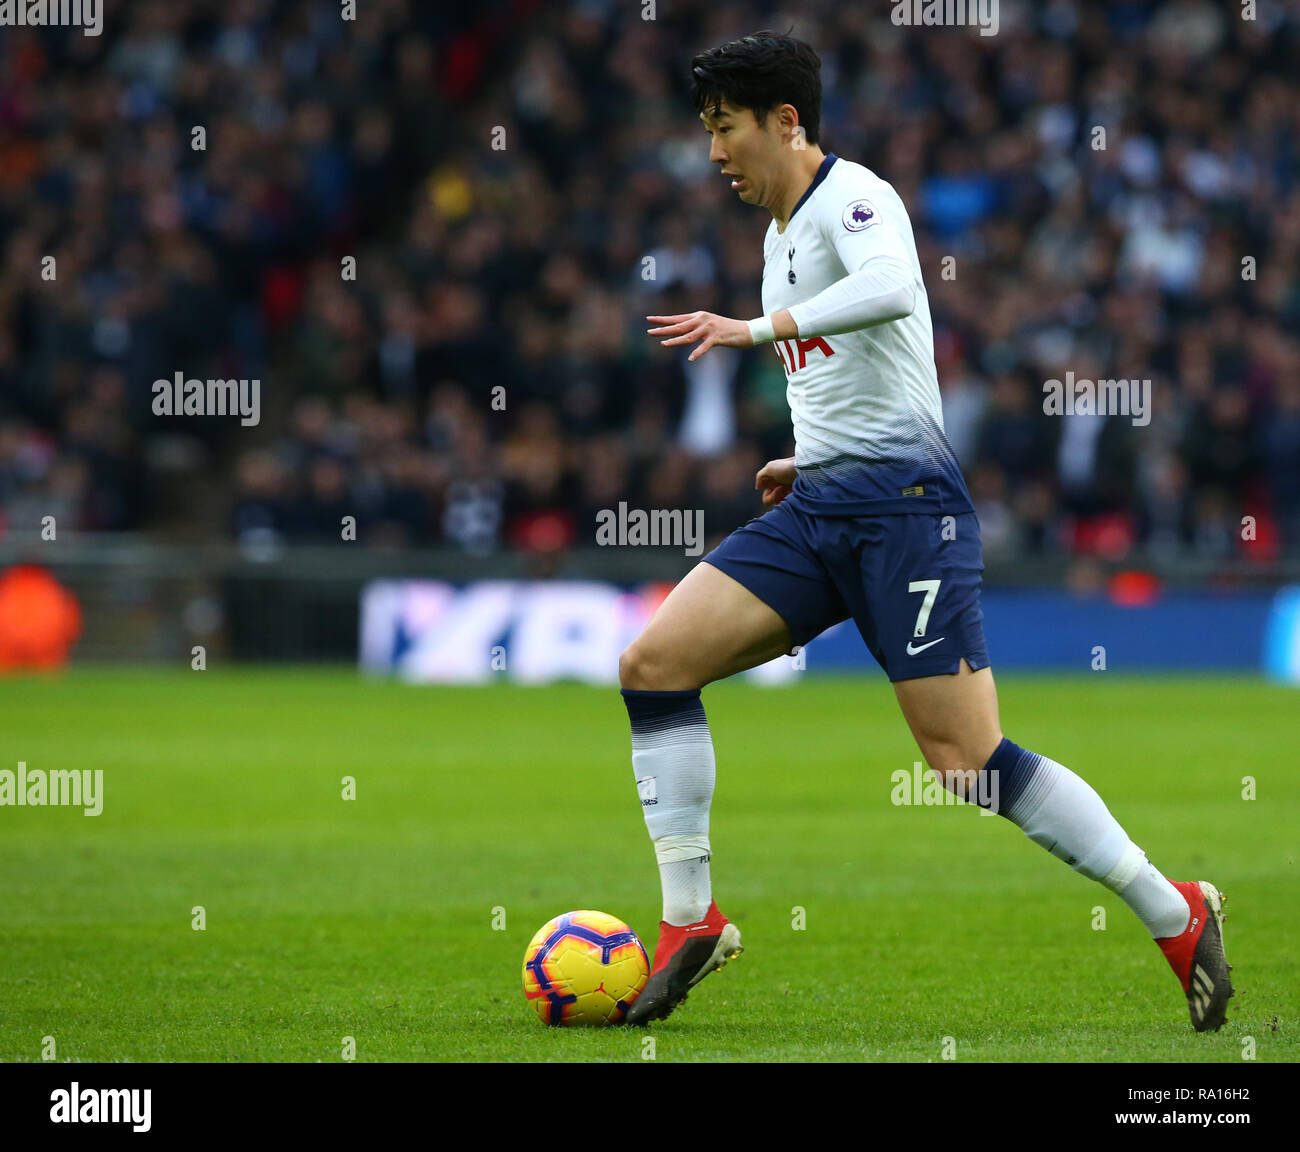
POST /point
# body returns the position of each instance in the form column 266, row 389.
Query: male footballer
column 870, row 519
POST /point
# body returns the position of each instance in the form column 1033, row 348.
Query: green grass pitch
column 372, row 918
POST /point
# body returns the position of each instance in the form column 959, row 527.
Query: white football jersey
column 868, row 424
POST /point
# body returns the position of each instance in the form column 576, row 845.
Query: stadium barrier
column 535, row 631
column 146, row 601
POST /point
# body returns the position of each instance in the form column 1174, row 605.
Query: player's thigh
column 954, row 719
column 709, row 627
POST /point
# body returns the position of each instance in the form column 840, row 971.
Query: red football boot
column 1197, row 958
column 685, row 954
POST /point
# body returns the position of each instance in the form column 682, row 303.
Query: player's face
column 741, row 147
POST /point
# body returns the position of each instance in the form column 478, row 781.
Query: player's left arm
column 718, row 331
column 880, row 281
column 879, row 287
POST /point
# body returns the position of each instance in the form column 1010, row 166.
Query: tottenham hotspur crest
column 791, row 272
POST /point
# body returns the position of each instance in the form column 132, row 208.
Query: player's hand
column 705, row 326
column 776, row 478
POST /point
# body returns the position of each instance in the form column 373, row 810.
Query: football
column 584, row 968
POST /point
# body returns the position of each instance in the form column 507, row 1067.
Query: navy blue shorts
column 911, row 582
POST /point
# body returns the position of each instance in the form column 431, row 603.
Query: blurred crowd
column 434, row 232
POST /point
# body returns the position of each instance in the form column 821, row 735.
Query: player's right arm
column 776, row 478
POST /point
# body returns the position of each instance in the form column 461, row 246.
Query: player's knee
column 644, row 667
column 631, row 670
column 958, row 762
column 647, row 666
column 953, row 766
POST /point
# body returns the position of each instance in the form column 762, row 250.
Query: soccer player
column 870, row 519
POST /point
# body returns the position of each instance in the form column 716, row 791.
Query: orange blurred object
column 1134, row 589
column 40, row 620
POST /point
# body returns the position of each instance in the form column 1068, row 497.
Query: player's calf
column 1060, row 812
column 708, row 627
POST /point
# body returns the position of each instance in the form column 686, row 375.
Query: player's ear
column 789, row 121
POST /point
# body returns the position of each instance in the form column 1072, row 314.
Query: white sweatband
column 762, row 330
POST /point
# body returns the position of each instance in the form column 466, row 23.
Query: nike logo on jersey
column 912, row 650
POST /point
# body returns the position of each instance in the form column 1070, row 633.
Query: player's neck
column 802, row 174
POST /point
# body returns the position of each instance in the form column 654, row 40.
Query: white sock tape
column 671, row 849
column 1126, row 868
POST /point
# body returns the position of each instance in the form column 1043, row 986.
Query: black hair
column 761, row 72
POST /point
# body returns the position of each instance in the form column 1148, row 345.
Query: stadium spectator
column 518, row 184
